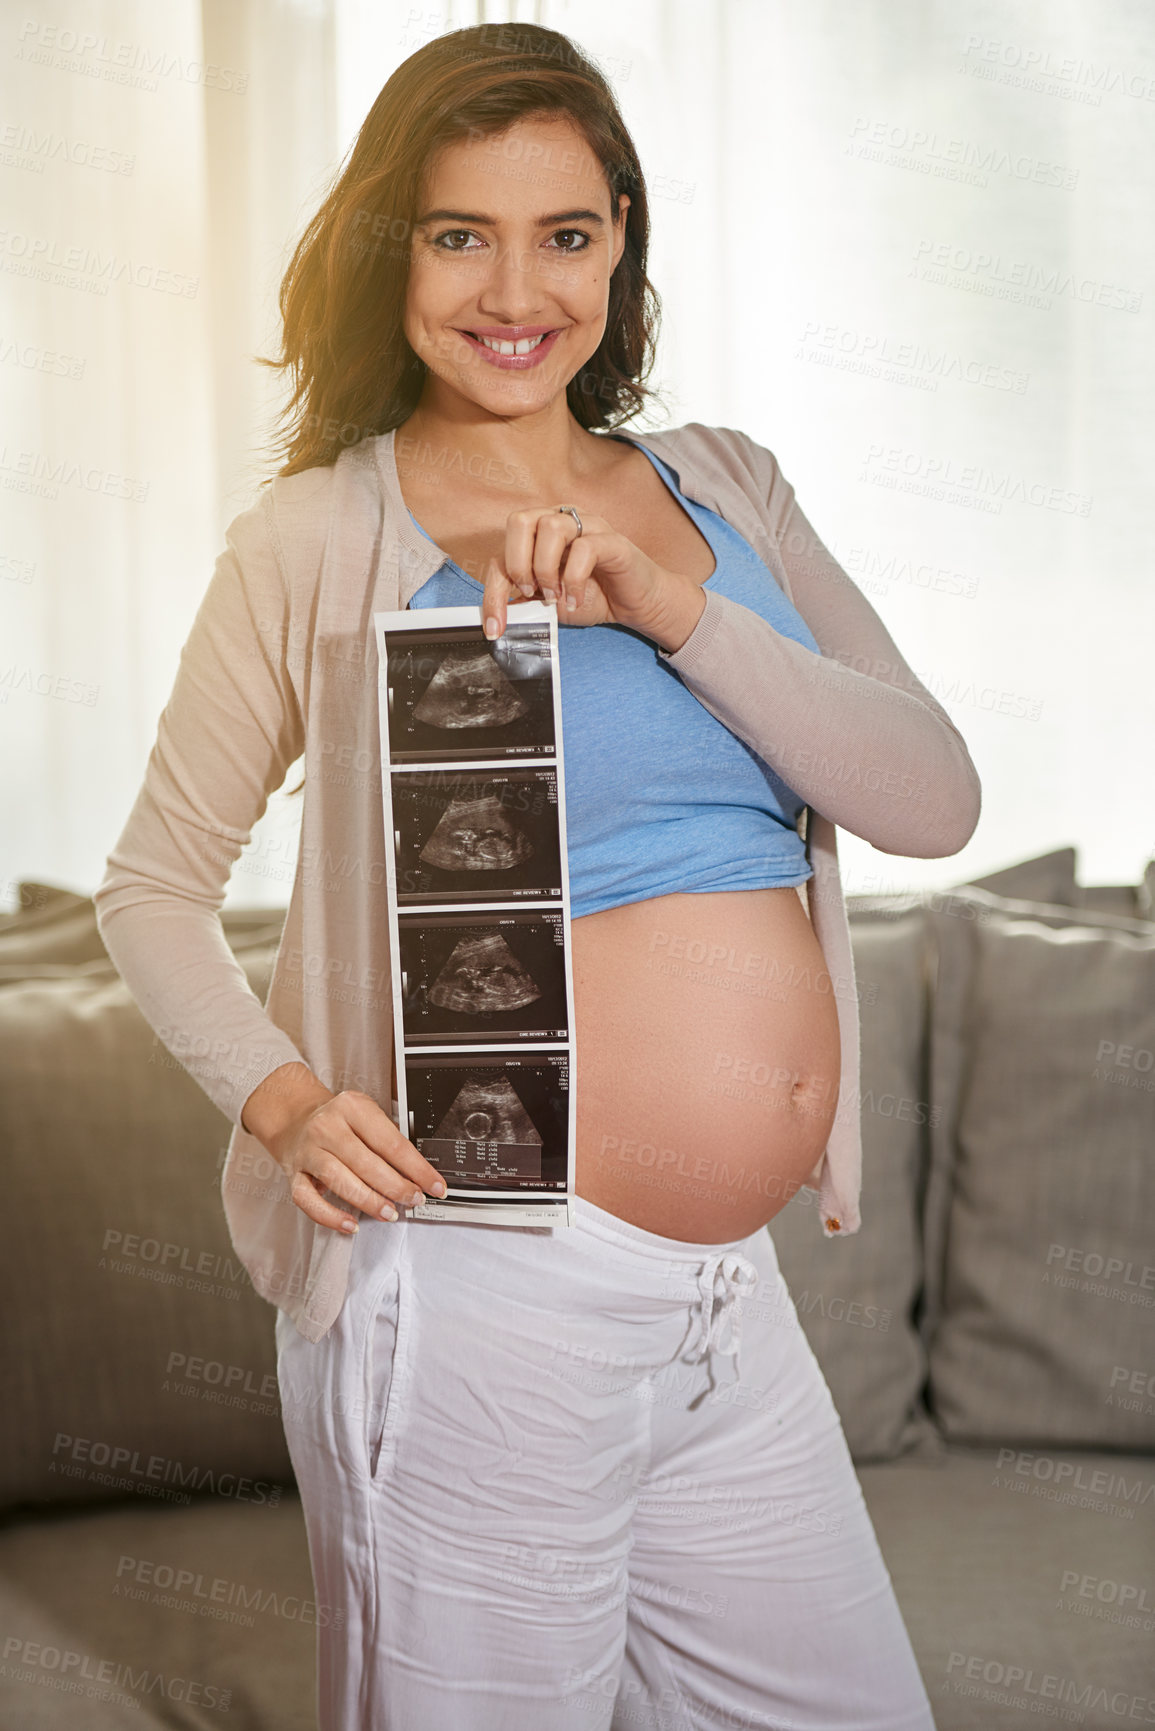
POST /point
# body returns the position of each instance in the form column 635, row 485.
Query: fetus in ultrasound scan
column 476, row 835
column 488, row 1112
column 481, row 976
column 468, row 690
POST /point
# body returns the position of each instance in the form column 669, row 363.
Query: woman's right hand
column 339, row 1142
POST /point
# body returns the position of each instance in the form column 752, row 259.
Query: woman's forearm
column 175, row 960
column 872, row 752
column 852, row 730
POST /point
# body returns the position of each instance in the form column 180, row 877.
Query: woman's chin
column 508, row 394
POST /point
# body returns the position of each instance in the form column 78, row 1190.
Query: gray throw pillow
column 1040, row 1263
column 52, row 934
column 145, row 1363
column 1145, row 893
column 50, row 926
column 1050, row 877
column 1124, row 900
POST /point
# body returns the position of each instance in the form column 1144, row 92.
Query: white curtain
column 156, row 163
column 905, row 245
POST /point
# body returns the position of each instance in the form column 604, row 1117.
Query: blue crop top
column 660, row 796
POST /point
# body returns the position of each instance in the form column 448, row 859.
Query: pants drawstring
column 715, row 1323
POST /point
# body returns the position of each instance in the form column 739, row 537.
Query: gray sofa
column 987, row 1335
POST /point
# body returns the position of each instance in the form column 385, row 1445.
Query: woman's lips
column 512, row 363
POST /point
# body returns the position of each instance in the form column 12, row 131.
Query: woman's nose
column 517, row 286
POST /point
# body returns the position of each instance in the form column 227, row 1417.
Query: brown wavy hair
column 353, row 372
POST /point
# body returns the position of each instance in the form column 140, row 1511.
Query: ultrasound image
column 481, row 977
column 476, row 835
column 473, row 815
column 466, row 835
column 495, row 1123
column 469, row 690
column 454, row 695
column 494, row 977
column 488, row 1111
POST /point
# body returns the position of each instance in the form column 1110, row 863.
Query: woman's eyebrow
column 492, row 221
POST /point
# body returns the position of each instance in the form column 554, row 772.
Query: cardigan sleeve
column 851, row 730
column 225, row 740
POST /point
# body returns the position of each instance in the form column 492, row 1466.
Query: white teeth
column 524, row 347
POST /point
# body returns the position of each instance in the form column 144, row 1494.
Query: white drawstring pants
column 573, row 1478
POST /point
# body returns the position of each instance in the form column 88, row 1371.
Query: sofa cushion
column 197, row 1615
column 1049, row 877
column 1125, row 900
column 1040, row 1271
column 855, row 1296
column 1024, row 1581
column 50, row 925
column 53, row 932
column 145, row 1358
column 859, row 1299
column 1145, row 893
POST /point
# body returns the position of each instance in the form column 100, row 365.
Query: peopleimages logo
column 213, row 1595
column 1018, row 280
column 1118, row 1277
column 73, row 1453
column 1040, row 68
column 137, row 64
column 112, row 1680
column 24, row 147
column 1072, row 1482
column 966, row 1673
column 926, row 151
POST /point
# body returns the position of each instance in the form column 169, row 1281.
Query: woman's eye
column 451, row 234
column 577, row 234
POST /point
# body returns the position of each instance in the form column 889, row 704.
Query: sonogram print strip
column 476, row 878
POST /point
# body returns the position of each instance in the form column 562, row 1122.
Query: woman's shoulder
column 307, row 499
column 291, row 517
column 722, row 453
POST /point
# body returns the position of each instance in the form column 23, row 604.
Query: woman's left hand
column 596, row 578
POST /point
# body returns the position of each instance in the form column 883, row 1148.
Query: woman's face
column 514, row 244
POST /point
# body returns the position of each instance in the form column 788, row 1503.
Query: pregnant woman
column 553, row 1477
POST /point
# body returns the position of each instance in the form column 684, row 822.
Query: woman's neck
column 549, row 450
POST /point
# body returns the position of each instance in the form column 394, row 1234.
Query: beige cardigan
column 280, row 661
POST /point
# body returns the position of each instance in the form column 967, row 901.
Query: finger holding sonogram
column 476, row 835
column 468, row 690
column 522, row 654
column 482, row 977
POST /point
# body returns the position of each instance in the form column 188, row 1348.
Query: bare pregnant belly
column 707, row 1059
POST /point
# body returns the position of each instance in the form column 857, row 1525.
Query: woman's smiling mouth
column 514, row 348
